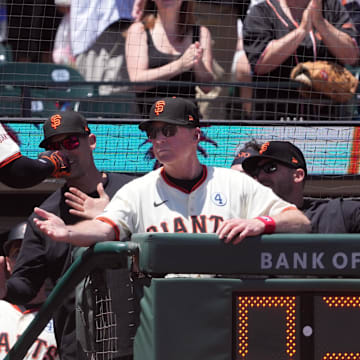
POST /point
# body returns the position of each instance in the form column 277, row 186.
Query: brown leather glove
column 58, row 160
column 326, row 78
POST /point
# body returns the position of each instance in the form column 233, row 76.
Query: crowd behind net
column 39, row 76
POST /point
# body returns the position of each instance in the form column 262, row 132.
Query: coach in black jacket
column 42, row 258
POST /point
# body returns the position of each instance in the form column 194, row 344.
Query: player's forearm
column 292, row 221
column 25, row 172
column 165, row 72
column 89, row 232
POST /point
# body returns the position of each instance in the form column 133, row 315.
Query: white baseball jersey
column 154, row 203
column 13, row 323
column 9, row 149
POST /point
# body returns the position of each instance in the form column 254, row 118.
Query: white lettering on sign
column 309, row 260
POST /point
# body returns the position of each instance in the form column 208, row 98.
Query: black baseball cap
column 66, row 122
column 16, row 234
column 243, row 154
column 173, row 110
column 282, row 151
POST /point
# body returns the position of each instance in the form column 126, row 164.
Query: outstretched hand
column 51, row 225
column 86, row 206
column 235, row 230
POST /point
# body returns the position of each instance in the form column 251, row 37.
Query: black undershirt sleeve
column 25, row 172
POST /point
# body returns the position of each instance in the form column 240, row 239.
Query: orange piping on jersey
column 289, row 208
column 198, row 184
column 112, row 224
column 27, row 311
column 10, row 159
column 277, row 14
column 354, row 156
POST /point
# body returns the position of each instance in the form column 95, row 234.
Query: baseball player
column 15, row 168
column 183, row 195
column 15, row 319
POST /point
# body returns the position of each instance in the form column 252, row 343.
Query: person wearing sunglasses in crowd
column 281, row 166
column 40, row 257
column 19, row 171
column 183, row 195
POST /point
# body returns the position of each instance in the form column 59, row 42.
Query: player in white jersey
column 183, row 195
column 20, row 171
column 15, row 319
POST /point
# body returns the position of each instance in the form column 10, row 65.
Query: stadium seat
column 121, row 105
column 32, row 89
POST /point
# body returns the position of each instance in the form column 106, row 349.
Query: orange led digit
column 342, row 302
column 244, row 303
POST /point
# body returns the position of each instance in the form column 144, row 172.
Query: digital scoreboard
column 296, row 326
column 277, row 297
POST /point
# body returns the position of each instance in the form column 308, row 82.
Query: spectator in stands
column 98, row 39
column 167, row 44
column 281, row 166
column 250, row 148
column 42, row 258
column 15, row 319
column 31, row 29
column 241, row 70
column 62, row 52
column 280, row 34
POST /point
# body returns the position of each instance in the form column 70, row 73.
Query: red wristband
column 269, row 222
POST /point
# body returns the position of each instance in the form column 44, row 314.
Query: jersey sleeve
column 120, row 213
column 9, row 149
column 261, row 200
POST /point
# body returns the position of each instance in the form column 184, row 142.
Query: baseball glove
column 58, row 160
column 325, row 78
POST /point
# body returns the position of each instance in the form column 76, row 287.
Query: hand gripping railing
column 102, row 255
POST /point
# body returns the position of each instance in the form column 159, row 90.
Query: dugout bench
column 280, row 296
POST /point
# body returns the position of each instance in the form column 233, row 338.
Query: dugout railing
column 281, row 296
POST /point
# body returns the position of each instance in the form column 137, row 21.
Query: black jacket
column 333, row 216
column 41, row 258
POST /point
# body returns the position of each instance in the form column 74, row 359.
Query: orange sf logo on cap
column 191, row 118
column 264, row 147
column 159, row 107
column 55, row 121
column 295, row 161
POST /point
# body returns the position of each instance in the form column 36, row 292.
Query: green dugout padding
column 197, row 319
column 185, row 319
column 277, row 254
column 193, row 318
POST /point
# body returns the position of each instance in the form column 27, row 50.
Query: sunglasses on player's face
column 267, row 168
column 69, row 143
column 167, row 131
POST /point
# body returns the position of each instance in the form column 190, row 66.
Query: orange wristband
column 269, row 222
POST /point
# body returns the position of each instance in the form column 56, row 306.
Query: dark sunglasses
column 69, row 143
column 167, row 131
column 267, row 168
